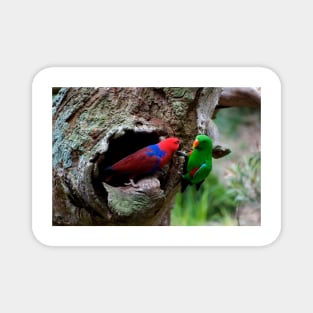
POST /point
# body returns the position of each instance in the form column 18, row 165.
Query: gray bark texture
column 95, row 127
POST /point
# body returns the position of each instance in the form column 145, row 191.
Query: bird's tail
column 184, row 184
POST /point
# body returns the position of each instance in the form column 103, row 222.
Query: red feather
column 193, row 171
column 136, row 164
column 144, row 161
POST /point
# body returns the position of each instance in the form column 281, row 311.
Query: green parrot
column 198, row 162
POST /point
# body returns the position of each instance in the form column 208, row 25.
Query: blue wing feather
column 144, row 161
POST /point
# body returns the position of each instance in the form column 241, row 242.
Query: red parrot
column 145, row 161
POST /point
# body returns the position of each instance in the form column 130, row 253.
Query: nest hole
column 120, row 147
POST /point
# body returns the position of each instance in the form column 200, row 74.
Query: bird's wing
column 137, row 163
column 200, row 173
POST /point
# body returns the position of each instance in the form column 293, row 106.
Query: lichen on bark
column 95, row 127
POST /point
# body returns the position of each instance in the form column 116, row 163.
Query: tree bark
column 95, row 127
column 240, row 97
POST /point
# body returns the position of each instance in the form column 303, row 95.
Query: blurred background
column 231, row 194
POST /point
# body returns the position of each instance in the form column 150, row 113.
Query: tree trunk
column 95, row 127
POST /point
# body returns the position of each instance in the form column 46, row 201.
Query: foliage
column 216, row 203
column 212, row 204
column 245, row 181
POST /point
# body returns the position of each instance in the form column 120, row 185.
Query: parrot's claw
column 132, row 183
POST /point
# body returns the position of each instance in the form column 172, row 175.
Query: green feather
column 199, row 164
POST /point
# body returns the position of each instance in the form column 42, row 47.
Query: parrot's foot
column 132, row 183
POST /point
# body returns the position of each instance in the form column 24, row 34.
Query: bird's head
column 170, row 144
column 202, row 142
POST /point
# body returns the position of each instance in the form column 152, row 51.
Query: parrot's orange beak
column 195, row 144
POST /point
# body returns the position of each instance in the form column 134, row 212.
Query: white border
column 156, row 77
